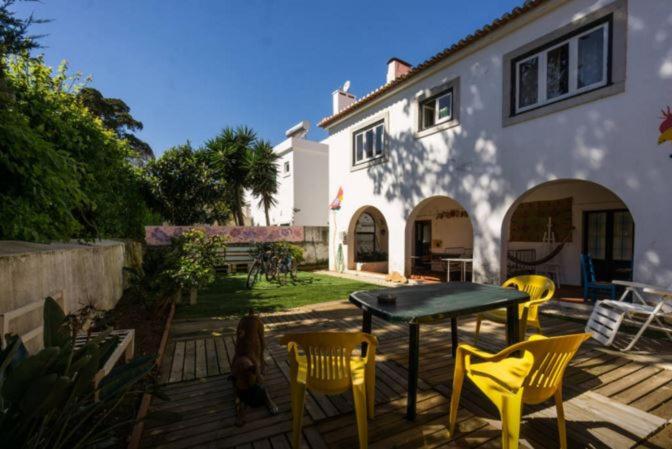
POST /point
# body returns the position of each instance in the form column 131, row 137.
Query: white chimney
column 341, row 100
column 396, row 68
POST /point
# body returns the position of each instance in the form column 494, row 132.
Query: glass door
column 423, row 243
column 608, row 237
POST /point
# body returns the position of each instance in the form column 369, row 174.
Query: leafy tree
column 183, row 189
column 63, row 174
column 14, row 39
column 116, row 115
column 263, row 176
column 229, row 156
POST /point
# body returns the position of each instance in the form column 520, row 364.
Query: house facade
column 302, row 196
column 534, row 138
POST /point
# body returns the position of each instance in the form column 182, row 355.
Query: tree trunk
column 268, row 221
column 239, row 217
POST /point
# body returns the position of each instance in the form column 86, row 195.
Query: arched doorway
column 368, row 241
column 585, row 217
column 439, row 228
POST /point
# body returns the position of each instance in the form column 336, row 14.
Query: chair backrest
column 327, row 356
column 551, row 357
column 537, row 287
column 587, row 269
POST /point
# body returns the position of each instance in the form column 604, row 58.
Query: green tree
column 183, row 189
column 14, row 39
column 263, row 176
column 116, row 115
column 229, row 156
column 63, row 174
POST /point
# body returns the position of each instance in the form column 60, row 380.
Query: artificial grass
column 229, row 296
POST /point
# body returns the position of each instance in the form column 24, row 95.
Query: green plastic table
column 435, row 303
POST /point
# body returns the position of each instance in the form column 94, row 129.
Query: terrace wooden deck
column 611, row 400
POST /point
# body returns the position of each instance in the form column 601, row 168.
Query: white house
column 550, row 112
column 302, row 197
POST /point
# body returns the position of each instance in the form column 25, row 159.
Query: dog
column 248, row 368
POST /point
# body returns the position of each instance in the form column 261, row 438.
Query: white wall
column 311, row 189
column 302, row 198
column 486, row 167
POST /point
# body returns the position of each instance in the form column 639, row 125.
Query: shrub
column 47, row 399
column 195, row 256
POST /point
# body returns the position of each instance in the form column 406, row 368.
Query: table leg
column 447, row 271
column 366, row 327
column 413, row 365
column 512, row 324
column 464, row 271
column 453, row 336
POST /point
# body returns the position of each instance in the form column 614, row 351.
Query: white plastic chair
column 608, row 315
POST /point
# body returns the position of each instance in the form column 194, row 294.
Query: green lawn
column 228, row 296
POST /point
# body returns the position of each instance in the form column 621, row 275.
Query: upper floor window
column 437, row 109
column 285, row 168
column 569, row 66
column 368, row 143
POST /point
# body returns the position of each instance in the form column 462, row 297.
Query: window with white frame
column 368, row 143
column 437, row 109
column 285, row 168
column 570, row 66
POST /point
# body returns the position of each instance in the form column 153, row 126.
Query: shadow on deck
column 612, row 400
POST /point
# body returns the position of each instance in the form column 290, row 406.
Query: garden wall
column 313, row 239
column 85, row 273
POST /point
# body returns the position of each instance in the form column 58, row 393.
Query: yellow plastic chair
column 540, row 289
column 324, row 362
column 510, row 381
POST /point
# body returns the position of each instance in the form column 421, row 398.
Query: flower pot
column 358, row 266
column 193, row 295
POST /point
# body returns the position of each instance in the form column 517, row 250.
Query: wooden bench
column 237, row 256
column 125, row 347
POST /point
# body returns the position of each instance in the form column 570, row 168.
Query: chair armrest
column 372, row 342
column 464, row 350
column 658, row 291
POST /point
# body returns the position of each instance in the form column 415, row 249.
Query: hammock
column 541, row 261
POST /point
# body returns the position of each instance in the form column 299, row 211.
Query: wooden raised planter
column 146, row 401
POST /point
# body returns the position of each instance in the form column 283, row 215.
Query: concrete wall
column 316, row 244
column 86, row 274
column 487, row 165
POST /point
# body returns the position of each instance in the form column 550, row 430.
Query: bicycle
column 284, row 263
column 263, row 264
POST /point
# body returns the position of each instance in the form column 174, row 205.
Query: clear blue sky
column 189, row 68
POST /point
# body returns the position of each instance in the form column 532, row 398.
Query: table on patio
column 434, row 303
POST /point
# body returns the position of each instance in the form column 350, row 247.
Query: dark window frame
column 513, row 93
column 424, row 101
column 362, row 131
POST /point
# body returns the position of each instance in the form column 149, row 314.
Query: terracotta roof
column 496, row 24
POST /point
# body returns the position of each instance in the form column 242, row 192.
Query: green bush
column 195, row 256
column 47, row 400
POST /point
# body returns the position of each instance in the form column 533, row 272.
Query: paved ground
column 611, row 400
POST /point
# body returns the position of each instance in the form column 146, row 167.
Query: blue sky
column 189, row 68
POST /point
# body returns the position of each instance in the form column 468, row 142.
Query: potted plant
column 195, row 256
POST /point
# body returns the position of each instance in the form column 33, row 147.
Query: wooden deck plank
column 176, row 371
column 611, row 400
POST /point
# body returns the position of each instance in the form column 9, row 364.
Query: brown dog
column 248, row 367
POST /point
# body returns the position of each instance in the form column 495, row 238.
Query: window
column 285, row 168
column 369, row 143
column 436, row 110
column 365, row 234
column 566, row 67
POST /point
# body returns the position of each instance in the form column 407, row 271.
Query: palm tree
column 230, row 157
column 263, row 176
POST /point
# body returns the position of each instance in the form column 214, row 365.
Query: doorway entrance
column 423, row 244
column 609, row 238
